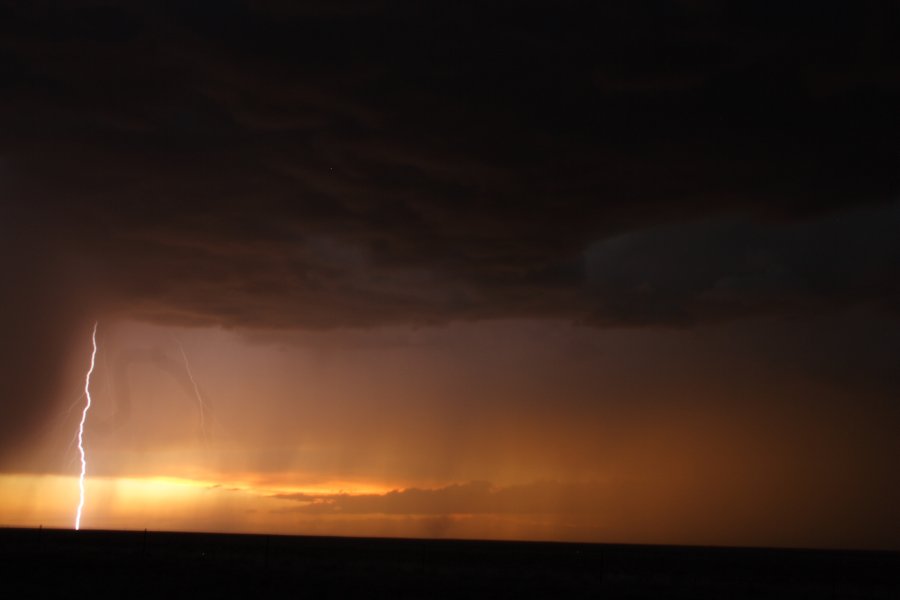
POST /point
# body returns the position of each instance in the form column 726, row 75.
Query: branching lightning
column 87, row 407
column 64, row 415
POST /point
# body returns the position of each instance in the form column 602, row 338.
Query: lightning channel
column 201, row 404
column 84, row 413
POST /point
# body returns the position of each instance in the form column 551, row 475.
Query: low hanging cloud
column 654, row 507
column 729, row 268
column 472, row 498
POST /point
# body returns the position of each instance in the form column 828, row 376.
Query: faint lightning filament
column 201, row 404
column 87, row 406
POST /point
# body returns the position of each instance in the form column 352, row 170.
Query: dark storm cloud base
column 266, row 165
column 53, row 563
column 299, row 165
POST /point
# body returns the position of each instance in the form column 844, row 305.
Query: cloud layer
column 274, row 166
column 409, row 165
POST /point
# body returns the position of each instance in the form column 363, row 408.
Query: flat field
column 45, row 563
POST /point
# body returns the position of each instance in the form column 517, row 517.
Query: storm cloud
column 728, row 268
column 272, row 166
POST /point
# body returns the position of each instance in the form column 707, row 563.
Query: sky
column 517, row 270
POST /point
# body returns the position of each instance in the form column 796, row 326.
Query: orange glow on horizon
column 160, row 502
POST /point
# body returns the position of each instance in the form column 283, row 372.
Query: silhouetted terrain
column 54, row 563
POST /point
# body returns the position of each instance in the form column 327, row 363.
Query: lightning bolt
column 201, row 404
column 87, row 407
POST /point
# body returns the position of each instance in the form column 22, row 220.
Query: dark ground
column 56, row 563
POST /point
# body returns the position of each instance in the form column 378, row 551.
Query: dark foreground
column 54, row 563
